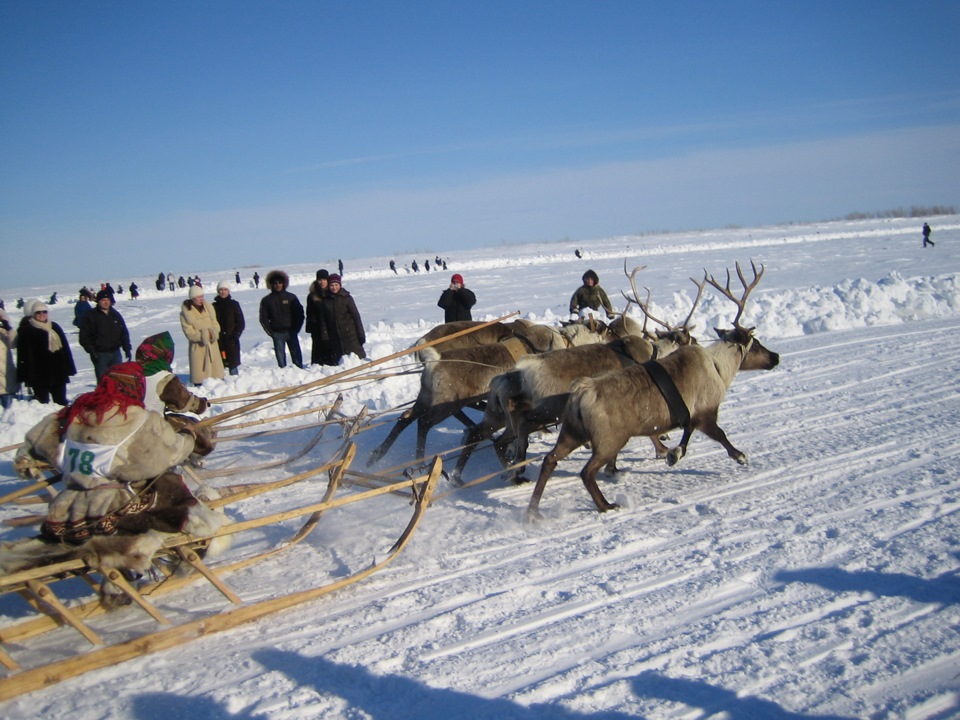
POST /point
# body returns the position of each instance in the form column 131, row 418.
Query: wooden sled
column 37, row 587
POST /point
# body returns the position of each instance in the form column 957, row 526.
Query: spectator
column 82, row 307
column 590, row 296
column 393, row 266
column 457, row 300
column 199, row 323
column 44, row 360
column 9, row 386
column 926, row 236
column 232, row 325
column 171, row 282
column 342, row 322
column 256, row 279
column 321, row 350
column 134, row 291
column 103, row 334
column 281, row 316
column 236, row 277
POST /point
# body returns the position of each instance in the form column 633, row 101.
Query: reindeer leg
column 713, row 431
column 566, row 444
column 659, row 448
column 403, row 422
column 589, row 477
column 674, row 454
column 471, row 436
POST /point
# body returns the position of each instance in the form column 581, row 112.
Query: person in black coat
column 342, row 323
column 321, row 351
column 457, row 300
column 232, row 325
column 103, row 334
column 281, row 317
column 44, row 360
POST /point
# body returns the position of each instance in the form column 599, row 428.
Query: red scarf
column 123, row 387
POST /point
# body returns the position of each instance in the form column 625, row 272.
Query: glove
column 127, row 354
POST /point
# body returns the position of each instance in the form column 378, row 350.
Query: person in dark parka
column 232, row 325
column 44, row 360
column 281, row 317
column 456, row 301
column 342, row 323
column 321, row 351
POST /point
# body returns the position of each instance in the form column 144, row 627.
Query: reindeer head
column 755, row 355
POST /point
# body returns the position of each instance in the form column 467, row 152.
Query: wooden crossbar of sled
column 37, row 587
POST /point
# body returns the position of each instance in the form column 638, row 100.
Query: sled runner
column 37, row 587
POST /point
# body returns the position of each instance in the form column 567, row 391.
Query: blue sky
column 145, row 136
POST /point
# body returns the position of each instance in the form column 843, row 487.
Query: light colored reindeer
column 685, row 390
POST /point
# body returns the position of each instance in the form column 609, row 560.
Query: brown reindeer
column 454, row 380
column 684, row 389
column 533, row 395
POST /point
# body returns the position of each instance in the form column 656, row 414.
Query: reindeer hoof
column 519, row 480
column 740, row 458
column 673, row 457
column 609, row 506
column 533, row 515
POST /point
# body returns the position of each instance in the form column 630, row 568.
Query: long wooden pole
column 46, row 675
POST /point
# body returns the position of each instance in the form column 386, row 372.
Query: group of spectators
column 330, row 316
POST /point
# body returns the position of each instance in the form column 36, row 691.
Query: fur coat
column 8, row 368
column 203, row 331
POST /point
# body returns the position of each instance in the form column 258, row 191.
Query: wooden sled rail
column 20, row 682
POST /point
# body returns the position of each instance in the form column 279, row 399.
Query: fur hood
column 275, row 275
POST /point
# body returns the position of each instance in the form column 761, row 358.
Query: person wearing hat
column 198, row 320
column 321, row 350
column 103, row 334
column 82, row 307
column 342, row 323
column 457, row 300
column 590, row 296
column 44, row 360
column 281, row 317
column 232, row 325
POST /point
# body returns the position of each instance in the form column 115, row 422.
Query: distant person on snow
column 590, row 296
column 926, row 236
column 457, row 300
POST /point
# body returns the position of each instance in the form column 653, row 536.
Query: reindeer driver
column 115, row 457
column 589, row 298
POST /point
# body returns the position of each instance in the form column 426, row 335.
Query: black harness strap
column 661, row 378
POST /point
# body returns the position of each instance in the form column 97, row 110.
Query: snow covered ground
column 820, row 580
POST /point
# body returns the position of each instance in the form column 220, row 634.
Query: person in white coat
column 199, row 322
column 8, row 367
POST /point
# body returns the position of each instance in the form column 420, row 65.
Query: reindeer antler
column 696, row 302
column 747, row 288
column 631, row 276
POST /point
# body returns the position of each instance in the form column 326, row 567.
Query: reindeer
column 454, row 380
column 490, row 334
column 533, row 395
column 685, row 390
